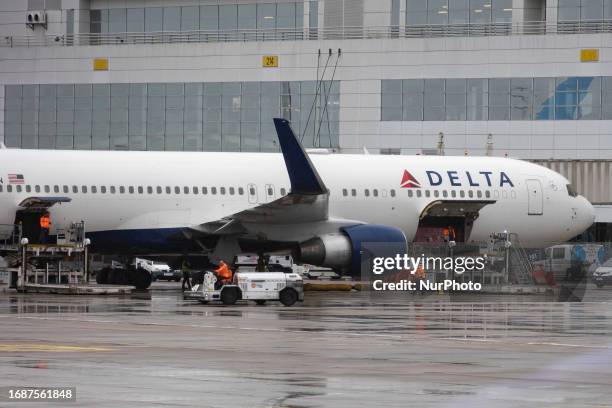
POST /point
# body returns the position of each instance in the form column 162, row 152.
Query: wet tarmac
column 334, row 350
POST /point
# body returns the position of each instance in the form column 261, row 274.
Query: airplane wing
column 307, row 202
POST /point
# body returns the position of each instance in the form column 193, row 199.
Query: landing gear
column 139, row 277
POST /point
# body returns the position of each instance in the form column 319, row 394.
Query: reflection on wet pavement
column 335, row 350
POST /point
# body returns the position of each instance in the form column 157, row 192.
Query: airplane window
column 375, row 192
column 232, row 191
column 240, row 190
column 487, row 194
column 131, row 189
column 65, row 189
column 158, row 189
column 213, row 190
column 222, row 189
column 204, row 190
column 47, row 189
column 270, row 191
column 444, row 193
column 470, row 193
column 168, row 190
column 186, row 190
column 427, row 193
column 75, row 189
column 18, row 189
column 113, row 190
column 367, row 192
column 177, row 190
column 354, row 192
column 196, row 190
column 436, row 193
column 283, row 191
column 479, row 194
column 121, row 190
column 409, row 193
column 84, row 189
column 392, row 192
column 103, row 189
column 94, row 189
column 149, row 190
column 9, row 189
column 140, row 190
column 453, row 193
column 252, row 191
column 37, row 188
column 462, row 193
column 418, row 193
column 344, row 192
column 55, row 189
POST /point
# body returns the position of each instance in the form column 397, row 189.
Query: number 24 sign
column 270, row 61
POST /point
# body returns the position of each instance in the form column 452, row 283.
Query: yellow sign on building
column 270, row 61
column 589, row 55
column 100, row 64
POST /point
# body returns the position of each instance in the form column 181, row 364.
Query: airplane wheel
column 102, row 276
column 260, row 302
column 229, row 296
column 288, row 296
column 142, row 279
column 204, row 302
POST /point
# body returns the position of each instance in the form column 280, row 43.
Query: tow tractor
column 287, row 288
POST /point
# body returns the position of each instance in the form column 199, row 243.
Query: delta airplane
column 319, row 207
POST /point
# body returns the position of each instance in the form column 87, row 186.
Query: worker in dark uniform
column 45, row 224
column 186, row 268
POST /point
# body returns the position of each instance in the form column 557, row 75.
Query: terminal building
column 530, row 79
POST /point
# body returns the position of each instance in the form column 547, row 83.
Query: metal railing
column 10, row 236
column 341, row 33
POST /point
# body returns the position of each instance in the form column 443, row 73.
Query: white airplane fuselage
column 141, row 191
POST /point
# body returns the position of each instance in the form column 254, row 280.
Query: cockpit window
column 571, row 191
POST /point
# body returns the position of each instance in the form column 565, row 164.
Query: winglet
column 302, row 174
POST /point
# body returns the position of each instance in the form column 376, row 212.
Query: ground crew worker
column 186, row 268
column 224, row 273
column 45, row 224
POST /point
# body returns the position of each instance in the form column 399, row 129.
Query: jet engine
column 343, row 250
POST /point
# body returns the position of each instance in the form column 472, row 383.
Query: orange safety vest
column 224, row 272
column 45, row 222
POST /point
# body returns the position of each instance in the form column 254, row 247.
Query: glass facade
column 584, row 10
column 229, row 116
column 430, row 12
column 274, row 16
column 564, row 98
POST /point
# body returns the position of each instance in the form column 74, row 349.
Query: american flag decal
column 16, row 179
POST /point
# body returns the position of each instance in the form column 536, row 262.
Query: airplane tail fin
column 302, row 174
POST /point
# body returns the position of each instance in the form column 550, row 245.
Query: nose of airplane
column 585, row 216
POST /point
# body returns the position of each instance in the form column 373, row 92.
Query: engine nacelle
column 343, row 250
column 331, row 251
